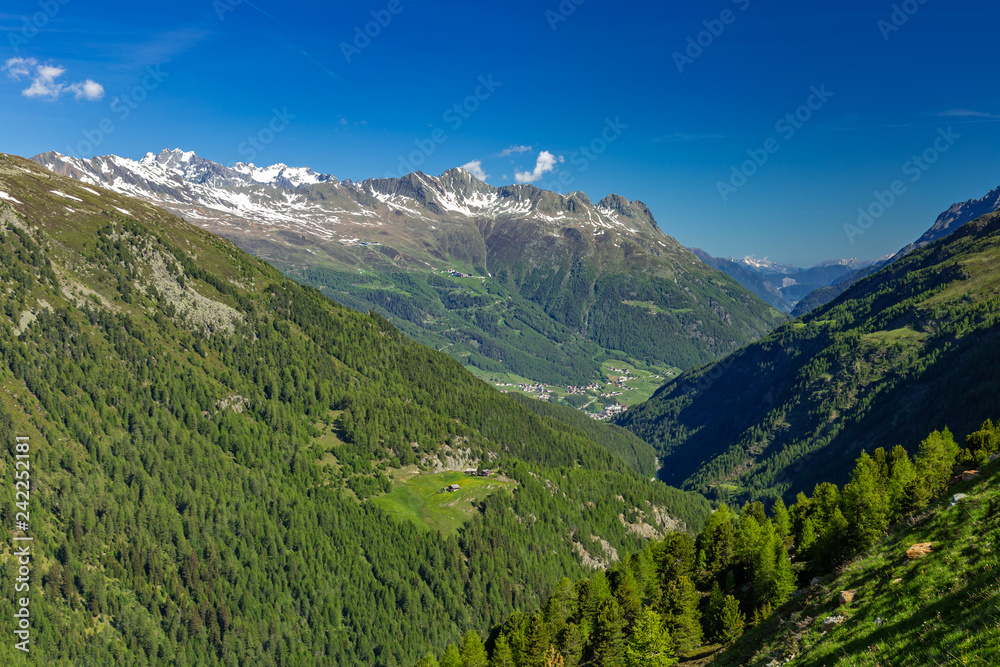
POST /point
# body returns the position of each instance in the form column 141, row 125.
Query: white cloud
column 44, row 83
column 546, row 162
column 513, row 150
column 89, row 90
column 19, row 67
column 476, row 169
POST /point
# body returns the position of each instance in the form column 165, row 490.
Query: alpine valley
column 228, row 468
column 521, row 285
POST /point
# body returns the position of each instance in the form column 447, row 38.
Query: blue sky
column 592, row 89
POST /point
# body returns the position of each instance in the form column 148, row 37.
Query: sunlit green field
column 422, row 498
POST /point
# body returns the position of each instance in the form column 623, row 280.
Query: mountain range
column 512, row 280
column 782, row 286
column 233, row 469
column 226, row 467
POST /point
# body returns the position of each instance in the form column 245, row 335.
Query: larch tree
column 650, row 644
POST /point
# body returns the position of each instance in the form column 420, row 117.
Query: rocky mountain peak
column 635, row 210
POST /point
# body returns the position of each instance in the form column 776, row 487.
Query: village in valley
column 624, row 385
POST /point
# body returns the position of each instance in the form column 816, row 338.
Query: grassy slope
column 944, row 611
column 422, row 498
column 864, row 371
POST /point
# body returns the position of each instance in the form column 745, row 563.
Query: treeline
column 680, row 593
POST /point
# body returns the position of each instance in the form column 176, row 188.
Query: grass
column 942, row 610
column 421, row 498
column 905, row 336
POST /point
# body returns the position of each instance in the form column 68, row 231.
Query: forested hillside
column 903, row 351
column 208, row 439
column 777, row 576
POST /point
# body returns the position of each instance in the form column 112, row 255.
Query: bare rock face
column 919, row 550
column 847, row 597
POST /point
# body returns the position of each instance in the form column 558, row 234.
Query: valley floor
column 624, row 384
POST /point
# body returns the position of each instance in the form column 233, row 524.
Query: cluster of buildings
column 609, row 411
column 571, row 390
column 537, row 388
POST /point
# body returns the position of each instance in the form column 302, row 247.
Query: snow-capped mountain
column 561, row 277
column 782, row 285
column 279, row 200
column 763, row 265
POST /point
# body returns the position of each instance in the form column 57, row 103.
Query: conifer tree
column 428, row 661
column 452, row 657
column 806, row 540
column 933, row 465
column 781, row 519
column 537, row 642
column 680, row 614
column 562, row 604
column 592, row 594
column 675, row 554
column 571, row 644
column 713, row 613
column 866, row 504
column 473, row 651
column 716, row 542
column 553, row 658
column 609, row 635
column 627, row 594
column 642, row 565
column 731, row 621
column 901, row 475
column 833, row 546
column 650, row 644
column 502, row 655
